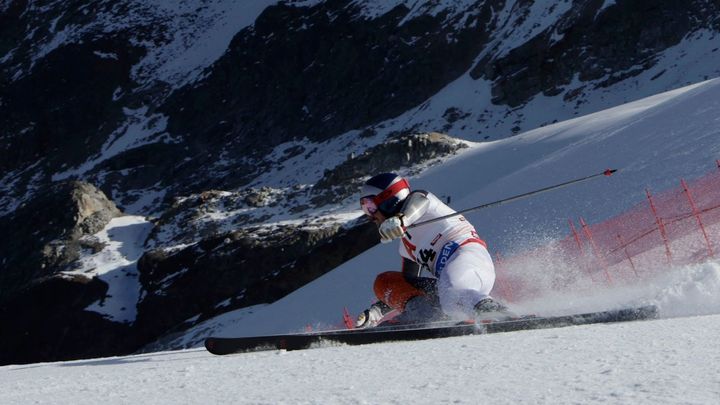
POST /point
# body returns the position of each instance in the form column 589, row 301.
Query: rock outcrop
column 45, row 235
column 42, row 310
column 246, row 267
column 405, row 151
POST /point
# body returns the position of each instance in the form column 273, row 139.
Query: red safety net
column 676, row 227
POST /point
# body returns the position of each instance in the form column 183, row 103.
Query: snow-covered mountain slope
column 666, row 361
column 654, row 142
column 116, row 265
column 182, row 37
column 207, row 89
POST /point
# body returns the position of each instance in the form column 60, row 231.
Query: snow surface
column 671, row 360
column 116, row 265
column 668, row 361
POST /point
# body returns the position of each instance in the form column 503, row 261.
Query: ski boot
column 488, row 310
column 420, row 309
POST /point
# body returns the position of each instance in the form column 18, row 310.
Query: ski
column 298, row 341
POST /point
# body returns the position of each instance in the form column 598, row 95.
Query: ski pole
column 607, row 172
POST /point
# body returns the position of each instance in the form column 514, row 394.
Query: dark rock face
column 47, row 233
column 61, row 106
column 334, row 73
column 42, row 310
column 242, row 268
column 47, row 322
column 620, row 42
column 328, row 73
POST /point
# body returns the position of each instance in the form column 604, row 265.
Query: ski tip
column 210, row 344
column 609, row 172
column 214, row 346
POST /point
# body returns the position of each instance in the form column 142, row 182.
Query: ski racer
column 459, row 270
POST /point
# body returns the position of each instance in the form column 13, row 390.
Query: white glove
column 368, row 318
column 392, row 228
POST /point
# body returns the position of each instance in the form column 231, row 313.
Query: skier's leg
column 415, row 303
column 392, row 289
column 466, row 280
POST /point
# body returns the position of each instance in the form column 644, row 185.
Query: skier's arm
column 414, row 207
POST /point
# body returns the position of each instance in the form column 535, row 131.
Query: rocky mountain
column 242, row 129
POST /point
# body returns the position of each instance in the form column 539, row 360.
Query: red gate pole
column 624, row 246
column 661, row 227
column 600, row 258
column 697, row 216
column 347, row 320
column 576, row 236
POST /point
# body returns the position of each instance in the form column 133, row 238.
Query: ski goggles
column 368, row 206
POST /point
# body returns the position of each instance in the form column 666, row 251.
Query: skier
column 461, row 271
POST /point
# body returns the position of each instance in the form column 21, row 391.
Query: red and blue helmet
column 384, row 192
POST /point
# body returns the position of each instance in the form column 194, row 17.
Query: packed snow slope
column 654, row 142
column 666, row 361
